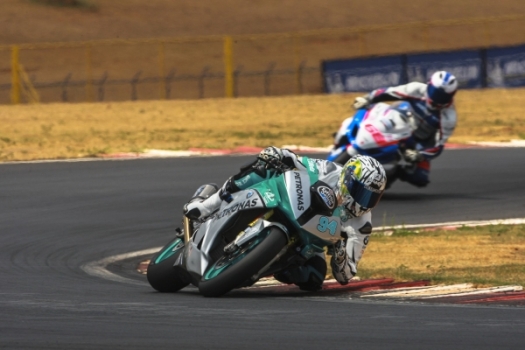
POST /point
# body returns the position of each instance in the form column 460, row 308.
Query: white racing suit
column 434, row 127
column 355, row 230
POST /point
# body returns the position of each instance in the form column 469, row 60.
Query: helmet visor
column 366, row 197
column 438, row 97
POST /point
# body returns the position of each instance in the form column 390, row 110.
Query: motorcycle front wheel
column 162, row 276
column 232, row 270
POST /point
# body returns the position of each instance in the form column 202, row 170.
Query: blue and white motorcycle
column 381, row 132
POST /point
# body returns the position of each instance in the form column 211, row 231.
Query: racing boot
column 309, row 277
column 199, row 209
column 417, row 174
column 340, row 263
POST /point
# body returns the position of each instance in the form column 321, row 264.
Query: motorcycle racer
column 435, row 117
column 358, row 185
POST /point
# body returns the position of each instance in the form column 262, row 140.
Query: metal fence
column 99, row 85
column 216, row 66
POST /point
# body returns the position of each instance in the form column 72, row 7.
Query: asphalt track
column 57, row 217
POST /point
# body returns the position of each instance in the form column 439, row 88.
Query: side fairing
column 327, row 228
column 298, row 190
column 269, row 192
column 382, row 127
column 244, row 200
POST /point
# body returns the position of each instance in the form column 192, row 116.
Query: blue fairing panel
column 335, row 153
column 351, row 133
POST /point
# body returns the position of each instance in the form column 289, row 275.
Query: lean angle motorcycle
column 380, row 132
column 273, row 225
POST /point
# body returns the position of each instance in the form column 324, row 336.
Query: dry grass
column 490, row 115
column 491, row 255
column 81, row 130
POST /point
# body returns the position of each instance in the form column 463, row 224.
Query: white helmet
column 361, row 185
column 441, row 89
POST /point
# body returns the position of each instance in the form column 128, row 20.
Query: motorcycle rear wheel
column 233, row 273
column 162, row 276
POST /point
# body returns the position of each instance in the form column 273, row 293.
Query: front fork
column 187, row 234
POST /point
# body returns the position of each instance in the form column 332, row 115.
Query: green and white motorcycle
column 269, row 227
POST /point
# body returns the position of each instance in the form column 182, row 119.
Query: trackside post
column 228, row 66
column 15, row 75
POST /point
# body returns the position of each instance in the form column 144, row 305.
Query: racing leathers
column 355, row 231
column 433, row 126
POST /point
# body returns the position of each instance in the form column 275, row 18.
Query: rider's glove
column 361, row 102
column 271, row 154
column 340, row 263
column 272, row 158
column 413, row 156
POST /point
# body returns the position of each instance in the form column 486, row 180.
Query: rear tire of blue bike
column 342, row 158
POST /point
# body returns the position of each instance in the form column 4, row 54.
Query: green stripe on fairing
column 214, row 272
column 168, row 251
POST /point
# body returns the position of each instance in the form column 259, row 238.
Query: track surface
column 57, row 217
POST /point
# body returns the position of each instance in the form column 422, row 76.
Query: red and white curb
column 244, row 150
column 384, row 288
column 196, row 152
column 99, row 268
column 192, row 152
column 441, row 291
column 388, row 289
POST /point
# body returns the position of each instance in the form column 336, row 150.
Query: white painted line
column 422, row 291
column 298, row 148
column 465, row 289
column 511, row 143
column 99, row 268
column 479, row 291
column 159, row 153
column 138, row 156
column 517, row 221
column 72, row 160
column 401, row 289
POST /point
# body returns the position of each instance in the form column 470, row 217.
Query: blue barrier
column 362, row 74
column 506, row 67
column 497, row 67
column 465, row 65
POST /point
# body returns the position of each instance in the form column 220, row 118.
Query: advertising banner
column 506, row 67
column 361, row 75
column 467, row 66
column 498, row 67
